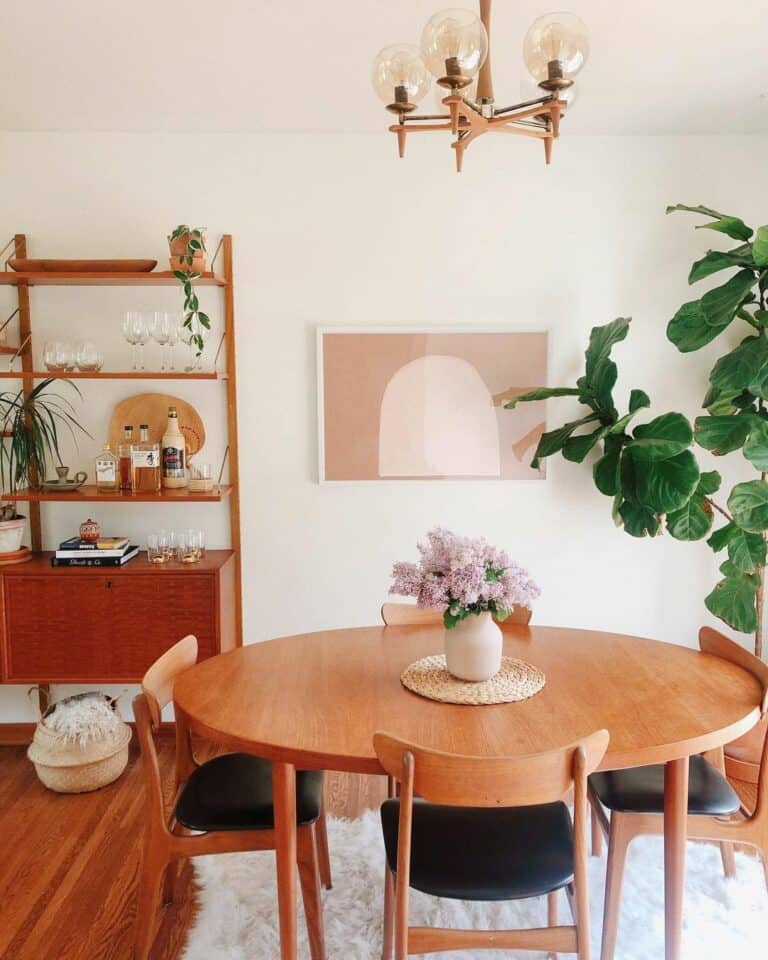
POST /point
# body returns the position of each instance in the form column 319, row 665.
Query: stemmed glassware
column 136, row 333
column 161, row 333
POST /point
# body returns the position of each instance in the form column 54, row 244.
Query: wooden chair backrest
column 490, row 781
column 157, row 683
column 408, row 614
column 716, row 643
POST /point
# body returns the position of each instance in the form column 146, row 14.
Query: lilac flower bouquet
column 460, row 576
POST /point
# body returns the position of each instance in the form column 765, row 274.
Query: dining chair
column 408, row 614
column 486, row 829
column 221, row 806
column 635, row 798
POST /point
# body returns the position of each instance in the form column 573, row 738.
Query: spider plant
column 31, row 429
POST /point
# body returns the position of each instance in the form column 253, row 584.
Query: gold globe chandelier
column 455, row 52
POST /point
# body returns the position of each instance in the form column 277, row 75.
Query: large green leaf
column 554, row 440
column 722, row 402
column 662, row 438
column 541, row 393
column 709, row 482
column 716, row 260
column 733, row 601
column 756, row 447
column 760, row 247
column 639, row 521
column 719, row 305
column 742, row 368
column 722, row 434
column 689, row 329
column 746, row 551
column 666, row 485
column 606, row 470
column 600, row 373
column 638, row 399
column 576, row 449
column 692, row 521
column 723, row 223
column 748, row 504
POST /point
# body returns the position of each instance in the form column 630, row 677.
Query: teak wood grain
column 327, row 693
column 316, row 700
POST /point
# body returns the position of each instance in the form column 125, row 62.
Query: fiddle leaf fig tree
column 649, row 470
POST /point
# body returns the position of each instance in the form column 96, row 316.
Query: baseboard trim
column 20, row 734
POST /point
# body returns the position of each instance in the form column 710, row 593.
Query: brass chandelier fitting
column 454, row 52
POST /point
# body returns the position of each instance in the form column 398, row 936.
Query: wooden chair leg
column 618, row 841
column 323, row 851
column 717, row 759
column 389, row 914
column 150, row 893
column 552, row 916
column 309, row 878
column 597, row 835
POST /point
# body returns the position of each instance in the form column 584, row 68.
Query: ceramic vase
column 473, row 648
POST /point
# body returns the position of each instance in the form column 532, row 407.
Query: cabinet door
column 151, row 613
column 102, row 628
column 57, row 627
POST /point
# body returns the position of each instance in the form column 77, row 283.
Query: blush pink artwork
column 405, row 405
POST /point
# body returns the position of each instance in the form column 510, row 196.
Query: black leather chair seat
column 489, row 853
column 641, row 790
column 234, row 792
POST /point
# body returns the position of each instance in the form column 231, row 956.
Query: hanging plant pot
column 180, row 250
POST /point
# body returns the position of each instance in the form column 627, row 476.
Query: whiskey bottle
column 174, row 452
column 124, row 456
column 145, row 463
column 106, row 471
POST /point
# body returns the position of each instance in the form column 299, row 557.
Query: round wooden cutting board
column 152, row 409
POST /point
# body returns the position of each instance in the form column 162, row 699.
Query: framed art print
column 428, row 403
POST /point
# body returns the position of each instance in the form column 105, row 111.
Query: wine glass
column 174, row 327
column 131, row 320
column 141, row 328
column 161, row 333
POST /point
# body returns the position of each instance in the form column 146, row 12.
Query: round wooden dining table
column 314, row 701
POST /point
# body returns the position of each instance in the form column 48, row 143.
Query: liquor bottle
column 106, row 471
column 124, row 455
column 145, row 463
column 174, row 451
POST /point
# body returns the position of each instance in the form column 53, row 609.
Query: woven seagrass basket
column 69, row 767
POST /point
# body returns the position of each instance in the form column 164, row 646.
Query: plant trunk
column 759, row 603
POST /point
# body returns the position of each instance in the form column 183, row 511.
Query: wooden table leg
column 675, row 833
column 284, row 799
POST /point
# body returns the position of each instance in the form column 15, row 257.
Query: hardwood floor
column 69, row 863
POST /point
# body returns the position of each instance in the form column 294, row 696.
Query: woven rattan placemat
column 516, row 680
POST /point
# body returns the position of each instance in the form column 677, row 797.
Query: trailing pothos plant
column 194, row 318
column 649, row 470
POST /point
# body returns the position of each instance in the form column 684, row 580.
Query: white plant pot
column 473, row 648
column 11, row 532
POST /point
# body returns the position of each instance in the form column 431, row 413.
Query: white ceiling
column 659, row 66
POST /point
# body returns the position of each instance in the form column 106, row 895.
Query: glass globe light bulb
column 454, row 45
column 400, row 78
column 555, row 49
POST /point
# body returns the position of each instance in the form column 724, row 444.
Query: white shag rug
column 237, row 920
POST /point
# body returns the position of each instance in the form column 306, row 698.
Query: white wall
column 321, row 227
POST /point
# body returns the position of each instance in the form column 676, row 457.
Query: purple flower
column 463, row 574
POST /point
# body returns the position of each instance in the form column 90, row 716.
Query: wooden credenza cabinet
column 108, row 624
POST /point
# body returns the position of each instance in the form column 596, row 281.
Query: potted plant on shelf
column 474, row 584
column 652, row 475
column 29, row 438
column 187, row 246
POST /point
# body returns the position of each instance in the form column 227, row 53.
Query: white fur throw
column 83, row 718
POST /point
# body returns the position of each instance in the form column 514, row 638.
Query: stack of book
column 104, row 552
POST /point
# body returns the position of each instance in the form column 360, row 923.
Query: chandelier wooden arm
column 485, row 79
